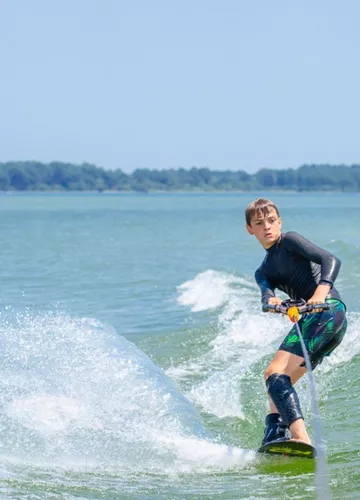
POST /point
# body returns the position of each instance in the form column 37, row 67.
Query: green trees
column 57, row 176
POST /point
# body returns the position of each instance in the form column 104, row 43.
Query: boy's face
column 266, row 229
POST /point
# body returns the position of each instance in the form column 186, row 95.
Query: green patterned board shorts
column 322, row 333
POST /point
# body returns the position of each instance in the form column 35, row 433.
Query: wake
column 244, row 341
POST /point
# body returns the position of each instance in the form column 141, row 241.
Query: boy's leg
column 297, row 374
column 283, row 371
column 294, row 376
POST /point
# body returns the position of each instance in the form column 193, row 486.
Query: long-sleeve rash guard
column 296, row 266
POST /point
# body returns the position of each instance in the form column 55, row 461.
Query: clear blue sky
column 228, row 84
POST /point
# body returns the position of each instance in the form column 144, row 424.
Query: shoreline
column 170, row 192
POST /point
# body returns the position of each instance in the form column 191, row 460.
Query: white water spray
column 73, row 393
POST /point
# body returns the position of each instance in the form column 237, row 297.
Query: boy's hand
column 314, row 302
column 273, row 301
column 319, row 297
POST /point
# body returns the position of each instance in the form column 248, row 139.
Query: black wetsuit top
column 296, row 266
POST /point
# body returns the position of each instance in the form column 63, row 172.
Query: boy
column 302, row 270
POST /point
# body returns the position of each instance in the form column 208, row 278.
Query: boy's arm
column 266, row 289
column 330, row 265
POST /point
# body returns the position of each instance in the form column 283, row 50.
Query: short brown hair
column 260, row 206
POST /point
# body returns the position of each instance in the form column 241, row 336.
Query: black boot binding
column 275, row 429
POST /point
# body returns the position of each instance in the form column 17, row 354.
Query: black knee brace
column 284, row 397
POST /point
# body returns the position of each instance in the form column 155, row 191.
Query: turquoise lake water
column 132, row 348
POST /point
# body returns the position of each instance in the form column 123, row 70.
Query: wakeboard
column 289, row 448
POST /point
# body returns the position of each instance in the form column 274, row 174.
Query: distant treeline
column 56, row 176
